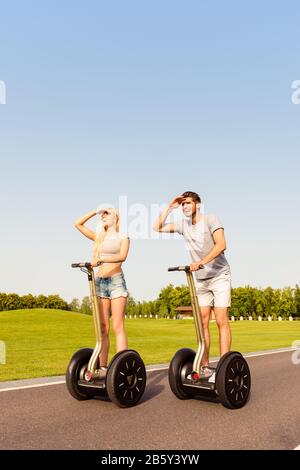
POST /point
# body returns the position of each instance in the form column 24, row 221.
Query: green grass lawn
column 40, row 342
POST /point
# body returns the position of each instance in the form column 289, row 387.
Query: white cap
column 102, row 207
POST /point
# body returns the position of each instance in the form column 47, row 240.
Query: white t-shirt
column 111, row 244
column 199, row 242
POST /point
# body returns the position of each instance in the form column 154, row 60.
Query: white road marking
column 269, row 352
column 149, row 369
column 216, row 359
column 32, row 386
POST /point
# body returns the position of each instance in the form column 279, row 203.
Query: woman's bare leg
column 104, row 309
column 118, row 315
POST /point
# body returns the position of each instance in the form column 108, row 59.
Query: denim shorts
column 111, row 287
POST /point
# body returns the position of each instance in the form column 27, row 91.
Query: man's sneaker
column 206, row 372
column 212, row 379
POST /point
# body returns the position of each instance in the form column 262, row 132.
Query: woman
column 109, row 252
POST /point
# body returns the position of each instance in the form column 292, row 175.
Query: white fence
column 2, row 352
column 232, row 318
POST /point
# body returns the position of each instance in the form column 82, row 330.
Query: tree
column 41, row 301
column 297, row 300
column 55, row 301
column 165, row 299
column 13, row 302
column 269, row 301
column 275, row 309
column 260, row 303
column 3, row 301
column 131, row 306
column 29, row 301
column 287, row 302
column 74, row 305
column 243, row 301
column 86, row 306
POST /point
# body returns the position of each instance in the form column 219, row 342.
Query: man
column 205, row 240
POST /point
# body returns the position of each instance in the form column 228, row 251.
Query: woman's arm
column 79, row 224
column 119, row 258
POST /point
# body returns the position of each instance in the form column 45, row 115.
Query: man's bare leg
column 221, row 314
column 205, row 314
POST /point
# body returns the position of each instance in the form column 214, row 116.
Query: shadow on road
column 153, row 387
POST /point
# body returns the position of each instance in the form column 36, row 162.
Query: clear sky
column 146, row 100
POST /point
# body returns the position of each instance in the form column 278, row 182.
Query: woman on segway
column 110, row 250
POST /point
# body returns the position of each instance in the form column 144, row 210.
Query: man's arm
column 159, row 224
column 220, row 246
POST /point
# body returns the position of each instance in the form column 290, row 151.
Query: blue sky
column 147, row 100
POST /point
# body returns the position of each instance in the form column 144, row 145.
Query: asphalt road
column 49, row 418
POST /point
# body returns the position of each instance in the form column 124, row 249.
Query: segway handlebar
column 182, row 268
column 179, row 268
column 87, row 264
column 81, row 265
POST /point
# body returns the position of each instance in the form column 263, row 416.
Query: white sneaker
column 100, row 373
column 212, row 379
column 206, row 372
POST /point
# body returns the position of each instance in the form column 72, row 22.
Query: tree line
column 16, row 302
column 246, row 301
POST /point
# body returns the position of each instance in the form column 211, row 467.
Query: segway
column 125, row 379
column 230, row 381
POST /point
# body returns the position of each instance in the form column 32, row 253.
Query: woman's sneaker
column 100, row 373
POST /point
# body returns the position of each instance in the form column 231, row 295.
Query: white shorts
column 215, row 291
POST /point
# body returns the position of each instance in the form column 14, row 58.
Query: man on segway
column 205, row 241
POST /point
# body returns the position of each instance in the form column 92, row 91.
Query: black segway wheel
column 180, row 366
column 233, row 380
column 126, row 378
column 75, row 372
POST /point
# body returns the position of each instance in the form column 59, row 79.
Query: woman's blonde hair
column 101, row 235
